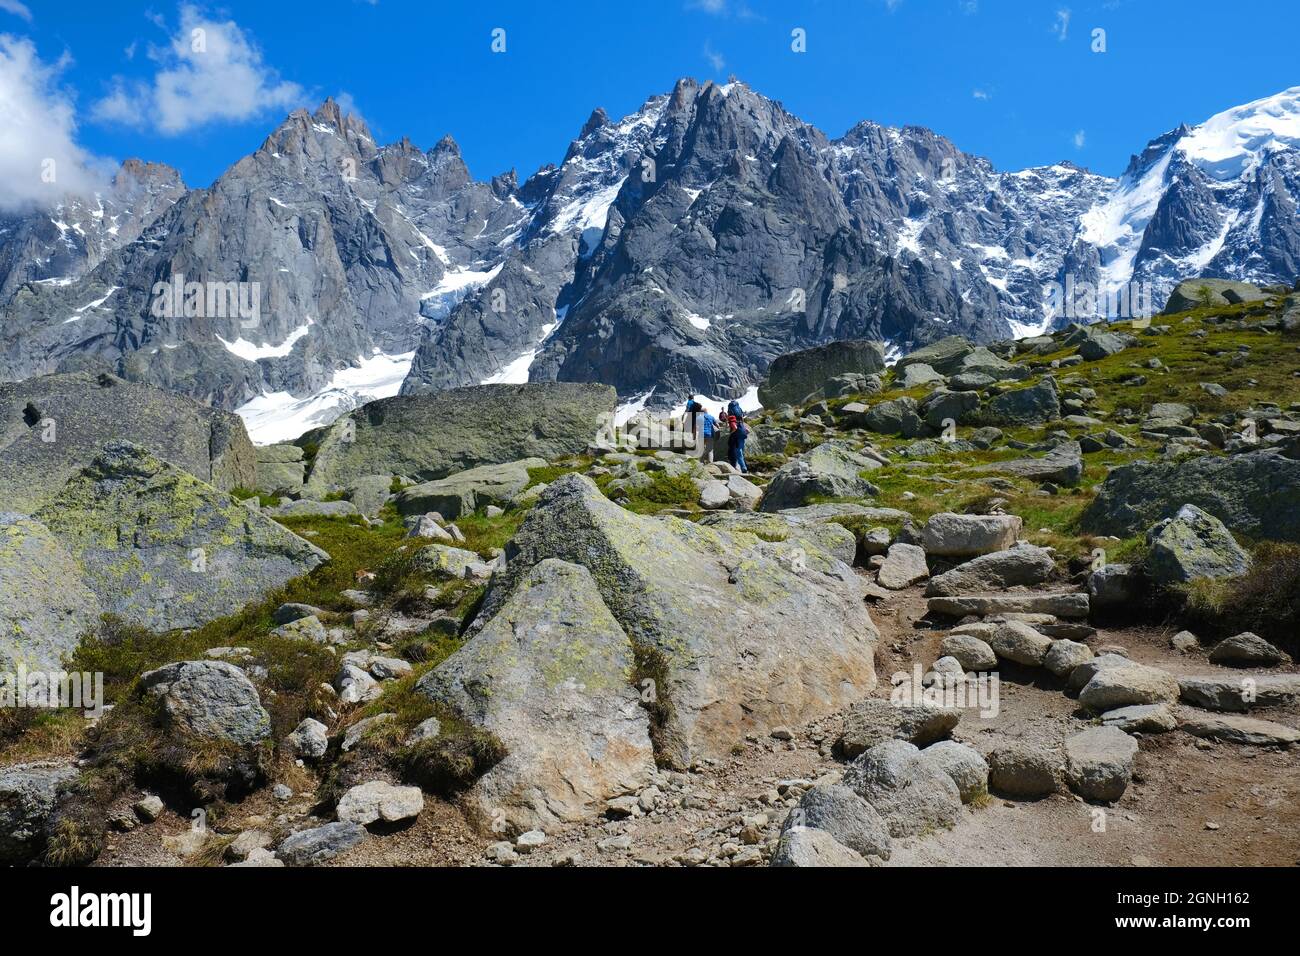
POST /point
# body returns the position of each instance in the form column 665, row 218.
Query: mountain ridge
column 676, row 250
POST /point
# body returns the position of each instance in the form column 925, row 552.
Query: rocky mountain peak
column 595, row 121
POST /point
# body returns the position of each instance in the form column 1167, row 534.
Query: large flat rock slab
column 163, row 550
column 425, row 437
column 1069, row 604
column 738, row 635
column 52, row 426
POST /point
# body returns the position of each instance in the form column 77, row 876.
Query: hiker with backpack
column 736, row 441
column 691, row 426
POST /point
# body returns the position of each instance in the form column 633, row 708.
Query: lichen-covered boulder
column 432, row 436
column 164, row 550
column 830, row 470
column 1035, row 404
column 280, row 468
column 1063, row 465
column 551, row 675
column 1195, row 293
column 466, row 491
column 213, row 700
column 1256, row 494
column 704, row 608
column 821, row 534
column 52, row 426
column 1193, row 544
column 799, row 377
column 46, row 607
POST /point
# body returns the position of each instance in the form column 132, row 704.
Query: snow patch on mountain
column 278, row 416
column 251, row 352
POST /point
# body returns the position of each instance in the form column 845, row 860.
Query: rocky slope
column 581, row 665
column 680, row 249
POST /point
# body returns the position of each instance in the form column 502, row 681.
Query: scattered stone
column 810, row 847
column 1063, row 465
column 320, row 844
column 214, row 700
column 1018, row 642
column 149, row 808
column 530, row 840
column 1024, row 770
column 259, row 857
column 1234, row 729
column 954, row 535
column 427, row 729
column 389, row 668
column 1247, row 650
column 29, row 793
column 972, row 653
column 501, row 853
column 1141, row 719
column 1193, row 544
column 1113, row 587
column 1034, row 405
column 912, row 795
column 848, row 818
column 1056, row 603
column 246, row 844
column 714, row 495
column 358, row 731
column 876, row 720
column 1021, row 564
column 1064, row 656
column 964, row 765
column 355, row 686
column 904, row 566
column 1240, row 693
column 377, row 800
column 309, row 740
column 1123, row 682
column 829, row 470
column 288, row 613
column 1099, row 763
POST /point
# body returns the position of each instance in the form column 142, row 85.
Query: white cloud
column 16, row 8
column 40, row 161
column 715, row 59
column 1062, row 25
column 1079, row 139
column 211, row 71
column 981, row 94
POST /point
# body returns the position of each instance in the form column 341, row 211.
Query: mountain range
column 677, row 250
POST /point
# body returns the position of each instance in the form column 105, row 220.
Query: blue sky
column 1014, row 80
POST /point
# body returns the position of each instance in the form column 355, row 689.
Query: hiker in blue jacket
column 708, row 428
